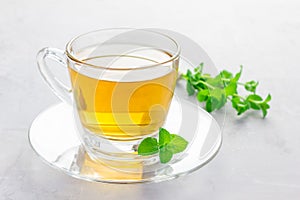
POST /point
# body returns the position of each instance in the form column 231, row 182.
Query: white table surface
column 259, row 159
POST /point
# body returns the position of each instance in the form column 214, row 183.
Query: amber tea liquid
column 130, row 106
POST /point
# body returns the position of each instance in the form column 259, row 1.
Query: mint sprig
column 216, row 91
column 167, row 145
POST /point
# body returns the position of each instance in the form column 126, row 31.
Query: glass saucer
column 53, row 136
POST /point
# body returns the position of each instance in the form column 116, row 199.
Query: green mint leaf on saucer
column 165, row 155
column 177, row 144
column 167, row 145
column 148, row 147
column 164, row 137
column 216, row 91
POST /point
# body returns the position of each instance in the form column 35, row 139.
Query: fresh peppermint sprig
column 216, row 91
column 167, row 145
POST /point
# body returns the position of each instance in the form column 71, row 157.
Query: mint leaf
column 215, row 82
column 189, row 88
column 217, row 99
column 265, row 106
column 230, row 89
column 165, row 155
column 239, row 105
column 254, row 101
column 164, row 137
column 238, row 75
column 198, row 72
column 148, row 146
column 177, row 144
column 189, row 74
column 251, row 86
column 199, row 68
column 235, row 101
column 208, row 106
column 226, row 74
column 202, row 95
column 268, row 98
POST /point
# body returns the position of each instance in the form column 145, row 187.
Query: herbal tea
column 127, row 107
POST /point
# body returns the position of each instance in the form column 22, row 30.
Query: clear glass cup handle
column 61, row 90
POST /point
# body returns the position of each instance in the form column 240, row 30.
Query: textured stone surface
column 259, row 158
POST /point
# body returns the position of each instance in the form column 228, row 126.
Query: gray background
column 259, row 158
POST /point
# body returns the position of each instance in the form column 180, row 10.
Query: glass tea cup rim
column 77, row 60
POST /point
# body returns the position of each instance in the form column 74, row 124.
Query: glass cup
column 122, row 83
